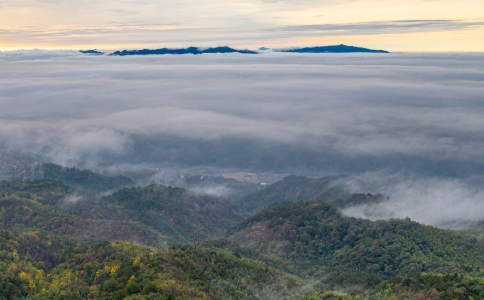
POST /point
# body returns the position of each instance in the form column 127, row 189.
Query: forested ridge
column 299, row 188
column 84, row 181
column 155, row 215
column 185, row 216
column 313, row 236
column 162, row 242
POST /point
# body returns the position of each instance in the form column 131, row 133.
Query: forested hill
column 47, row 250
column 55, row 244
column 156, row 215
column 185, row 216
column 311, row 237
column 85, row 181
column 299, row 188
column 39, row 266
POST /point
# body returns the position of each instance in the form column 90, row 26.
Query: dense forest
column 154, row 215
column 61, row 239
column 313, row 237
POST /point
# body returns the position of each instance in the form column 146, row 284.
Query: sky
column 394, row 25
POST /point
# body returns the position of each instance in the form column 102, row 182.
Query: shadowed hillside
column 185, row 216
column 295, row 188
column 85, row 182
column 158, row 216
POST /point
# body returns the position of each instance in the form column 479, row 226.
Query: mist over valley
column 227, row 176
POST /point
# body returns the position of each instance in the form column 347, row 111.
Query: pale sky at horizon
column 395, row 25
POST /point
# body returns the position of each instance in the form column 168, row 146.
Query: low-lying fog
column 411, row 124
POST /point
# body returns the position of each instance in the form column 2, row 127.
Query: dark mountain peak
column 189, row 50
column 334, row 49
column 93, row 52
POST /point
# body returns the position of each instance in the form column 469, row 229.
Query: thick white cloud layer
column 408, row 105
column 354, row 104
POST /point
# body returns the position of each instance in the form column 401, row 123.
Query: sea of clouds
column 411, row 124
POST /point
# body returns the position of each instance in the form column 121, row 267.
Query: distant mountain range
column 189, row 50
column 334, row 49
column 196, row 50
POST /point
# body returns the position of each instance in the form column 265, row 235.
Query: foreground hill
column 128, row 271
column 85, row 182
column 309, row 237
column 52, row 246
column 156, row 215
column 40, row 265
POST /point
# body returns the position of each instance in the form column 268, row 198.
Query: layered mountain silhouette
column 189, row 50
column 334, row 49
column 225, row 49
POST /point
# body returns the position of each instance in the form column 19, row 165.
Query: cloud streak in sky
column 398, row 26
column 176, row 33
column 366, row 28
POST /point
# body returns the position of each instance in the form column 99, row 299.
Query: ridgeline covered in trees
column 59, row 239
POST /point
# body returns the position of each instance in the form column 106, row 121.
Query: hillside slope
column 52, row 247
column 120, row 270
column 310, row 237
column 85, row 182
column 333, row 189
column 186, row 216
column 158, row 216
